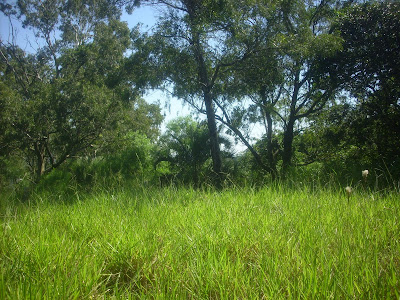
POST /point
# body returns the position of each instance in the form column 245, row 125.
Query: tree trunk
column 255, row 154
column 210, row 111
column 288, row 146
column 41, row 160
column 266, row 108
column 288, row 135
column 270, row 151
column 214, row 139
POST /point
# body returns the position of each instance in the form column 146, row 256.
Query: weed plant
column 180, row 243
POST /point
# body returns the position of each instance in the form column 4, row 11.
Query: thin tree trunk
column 288, row 146
column 266, row 108
column 41, row 161
column 270, row 152
column 214, row 139
column 210, row 111
column 288, row 135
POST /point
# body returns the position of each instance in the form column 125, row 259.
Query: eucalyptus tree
column 191, row 48
column 284, row 87
column 368, row 62
column 63, row 23
column 247, row 96
column 305, row 36
column 278, row 77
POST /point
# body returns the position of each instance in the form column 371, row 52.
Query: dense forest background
column 320, row 78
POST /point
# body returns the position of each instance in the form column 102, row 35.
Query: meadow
column 274, row 242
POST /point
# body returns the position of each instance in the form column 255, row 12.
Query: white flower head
column 348, row 190
column 365, row 173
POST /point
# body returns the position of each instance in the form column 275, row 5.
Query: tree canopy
column 319, row 79
column 60, row 101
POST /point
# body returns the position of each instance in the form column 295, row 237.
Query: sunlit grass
column 181, row 243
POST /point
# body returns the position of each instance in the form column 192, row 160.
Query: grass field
column 173, row 243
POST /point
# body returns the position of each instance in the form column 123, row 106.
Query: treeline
column 321, row 78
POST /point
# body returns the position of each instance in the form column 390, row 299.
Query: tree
column 278, row 76
column 190, row 48
column 368, row 68
column 66, row 96
column 368, row 63
column 247, row 96
column 305, row 38
column 185, row 147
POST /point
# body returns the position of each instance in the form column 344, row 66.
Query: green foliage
column 286, row 38
column 184, row 157
column 368, row 62
column 343, row 141
column 75, row 100
column 12, row 171
column 364, row 132
column 74, row 94
column 185, row 148
column 130, row 162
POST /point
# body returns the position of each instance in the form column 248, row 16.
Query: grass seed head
column 348, row 190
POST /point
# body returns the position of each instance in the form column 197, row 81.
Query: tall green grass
column 181, row 243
